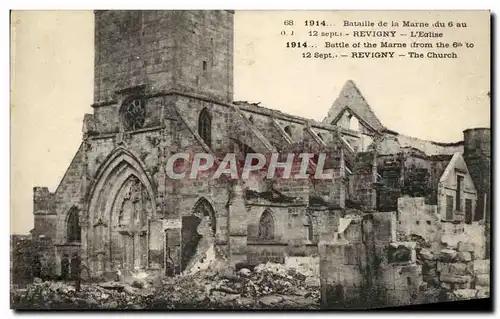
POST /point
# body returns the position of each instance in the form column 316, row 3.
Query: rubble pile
column 267, row 286
column 455, row 272
column 60, row 295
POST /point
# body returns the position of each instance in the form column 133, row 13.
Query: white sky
column 52, row 87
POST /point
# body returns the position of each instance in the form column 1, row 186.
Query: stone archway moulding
column 118, row 167
column 116, row 160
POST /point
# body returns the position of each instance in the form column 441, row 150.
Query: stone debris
column 267, row 286
column 448, row 255
column 454, row 278
column 446, row 285
column 483, row 280
column 482, row 292
column 63, row 295
column 482, row 266
column 464, row 256
column 426, row 254
column 450, row 241
column 451, row 271
column 466, row 247
column 244, row 272
column 309, row 266
column 112, row 285
column 465, row 294
column 457, row 269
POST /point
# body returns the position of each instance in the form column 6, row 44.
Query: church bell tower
column 153, row 70
column 163, row 52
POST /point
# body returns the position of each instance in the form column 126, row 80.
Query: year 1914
column 296, row 44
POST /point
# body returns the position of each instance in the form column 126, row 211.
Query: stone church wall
column 45, row 225
column 370, row 270
column 68, row 194
column 408, row 257
column 270, row 252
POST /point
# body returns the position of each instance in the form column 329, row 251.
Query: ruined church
column 163, row 84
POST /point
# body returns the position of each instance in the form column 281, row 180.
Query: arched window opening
column 288, row 130
column 205, row 126
column 251, row 119
column 309, row 225
column 73, row 227
column 353, row 123
column 320, row 137
column 204, row 208
column 266, row 226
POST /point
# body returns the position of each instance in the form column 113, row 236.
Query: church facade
column 163, row 85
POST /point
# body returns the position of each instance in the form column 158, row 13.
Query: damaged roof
column 350, row 98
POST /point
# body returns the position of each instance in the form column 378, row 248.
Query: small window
column 458, row 199
column 310, row 230
column 288, row 130
column 266, row 226
column 449, row 207
column 204, row 66
column 320, row 137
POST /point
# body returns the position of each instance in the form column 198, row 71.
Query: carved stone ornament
column 122, row 138
column 100, row 222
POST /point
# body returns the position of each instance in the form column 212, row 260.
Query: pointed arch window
column 204, row 208
column 205, row 126
column 354, row 123
column 266, row 226
column 73, row 227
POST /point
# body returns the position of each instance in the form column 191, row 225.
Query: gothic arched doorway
column 131, row 209
column 121, row 205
